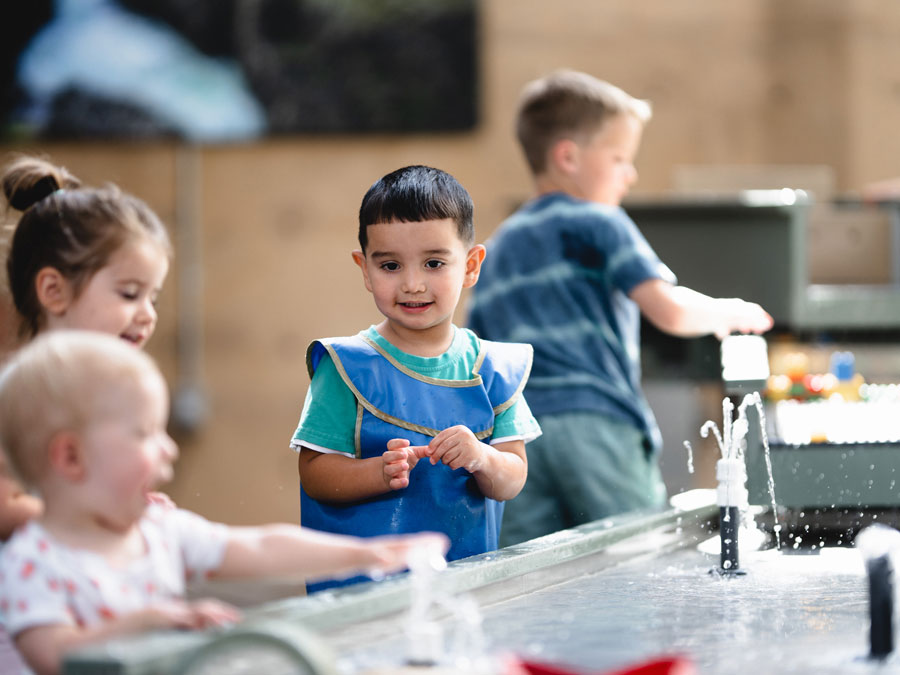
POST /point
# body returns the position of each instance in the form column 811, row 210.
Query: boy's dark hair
column 414, row 194
column 568, row 104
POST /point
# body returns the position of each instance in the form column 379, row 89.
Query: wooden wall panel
column 810, row 81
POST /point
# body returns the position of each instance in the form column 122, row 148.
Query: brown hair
column 71, row 228
column 568, row 104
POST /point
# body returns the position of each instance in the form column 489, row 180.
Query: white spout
column 732, row 476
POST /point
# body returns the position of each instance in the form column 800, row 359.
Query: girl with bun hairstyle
column 82, row 257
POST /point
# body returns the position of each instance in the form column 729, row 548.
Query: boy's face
column 416, row 272
column 603, row 170
column 127, row 452
column 120, row 299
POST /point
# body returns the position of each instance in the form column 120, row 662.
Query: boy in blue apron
column 414, row 424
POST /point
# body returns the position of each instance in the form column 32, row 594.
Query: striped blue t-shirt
column 557, row 275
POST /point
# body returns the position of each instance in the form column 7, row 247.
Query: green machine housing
column 756, row 245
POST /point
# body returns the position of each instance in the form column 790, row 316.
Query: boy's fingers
column 394, row 469
column 443, row 450
column 420, row 451
column 398, row 483
column 393, row 456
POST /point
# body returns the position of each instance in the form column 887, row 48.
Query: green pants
column 584, row 467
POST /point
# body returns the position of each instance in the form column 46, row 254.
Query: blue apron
column 395, row 402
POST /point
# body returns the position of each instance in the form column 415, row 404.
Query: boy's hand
column 742, row 317
column 456, row 447
column 399, row 460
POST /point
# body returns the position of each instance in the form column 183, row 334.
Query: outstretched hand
column 743, row 317
column 393, row 553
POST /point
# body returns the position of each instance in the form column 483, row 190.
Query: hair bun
column 27, row 180
column 26, row 196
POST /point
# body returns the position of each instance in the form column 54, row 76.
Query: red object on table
column 662, row 666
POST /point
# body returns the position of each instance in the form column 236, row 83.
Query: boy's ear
column 565, row 155
column 53, row 290
column 360, row 259
column 474, row 258
column 67, row 456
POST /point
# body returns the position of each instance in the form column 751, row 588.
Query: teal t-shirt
column 328, row 420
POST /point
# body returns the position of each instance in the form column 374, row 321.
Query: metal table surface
column 595, row 598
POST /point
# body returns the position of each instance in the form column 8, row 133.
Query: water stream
column 732, row 443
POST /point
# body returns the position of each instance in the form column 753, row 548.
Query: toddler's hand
column 456, row 447
column 182, row 614
column 398, row 461
column 392, row 553
column 211, row 612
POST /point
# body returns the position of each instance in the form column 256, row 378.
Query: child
column 414, row 386
column 85, row 258
column 570, row 273
column 83, row 420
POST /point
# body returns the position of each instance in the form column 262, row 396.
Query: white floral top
column 44, row 582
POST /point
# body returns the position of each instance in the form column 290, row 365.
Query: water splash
column 732, row 442
column 464, row 648
column 690, row 452
column 425, row 643
column 770, row 479
column 727, row 436
column 711, row 426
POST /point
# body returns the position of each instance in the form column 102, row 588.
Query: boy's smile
column 416, row 272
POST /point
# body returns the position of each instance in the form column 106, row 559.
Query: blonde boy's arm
column 44, row 647
column 283, row 549
column 336, row 478
column 883, row 189
column 686, row 313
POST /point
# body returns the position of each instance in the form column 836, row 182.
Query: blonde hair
column 70, row 228
column 52, row 385
column 568, row 104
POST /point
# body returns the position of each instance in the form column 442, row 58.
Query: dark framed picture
column 231, row 70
